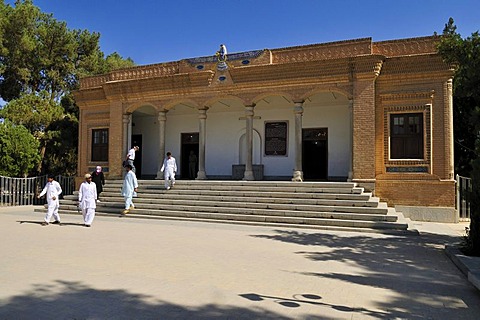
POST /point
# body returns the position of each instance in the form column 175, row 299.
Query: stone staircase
column 321, row 205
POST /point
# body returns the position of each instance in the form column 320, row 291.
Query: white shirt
column 52, row 189
column 169, row 164
column 87, row 195
column 131, row 154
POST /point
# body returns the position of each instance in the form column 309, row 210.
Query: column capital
column 249, row 110
column 298, row 102
column 162, row 115
column 202, row 113
column 298, row 110
column 126, row 118
column 350, row 103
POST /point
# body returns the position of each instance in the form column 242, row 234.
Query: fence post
column 457, row 187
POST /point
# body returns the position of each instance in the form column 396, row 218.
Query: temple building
column 375, row 113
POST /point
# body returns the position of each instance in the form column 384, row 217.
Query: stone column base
column 297, row 176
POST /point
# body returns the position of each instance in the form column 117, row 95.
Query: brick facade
column 378, row 78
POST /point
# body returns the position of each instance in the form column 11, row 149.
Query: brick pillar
column 350, row 114
column 249, row 112
column 364, row 130
column 116, row 136
column 448, row 129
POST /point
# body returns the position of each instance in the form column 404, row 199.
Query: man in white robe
column 169, row 168
column 52, row 191
column 87, row 199
column 129, row 188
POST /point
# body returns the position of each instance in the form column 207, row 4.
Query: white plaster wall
column 337, row 120
column 222, row 141
column 277, row 165
column 175, row 126
column 224, row 130
column 148, row 128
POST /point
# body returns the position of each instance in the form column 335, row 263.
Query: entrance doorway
column 315, row 153
column 137, row 141
column 189, row 155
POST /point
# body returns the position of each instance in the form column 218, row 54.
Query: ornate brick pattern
column 379, row 78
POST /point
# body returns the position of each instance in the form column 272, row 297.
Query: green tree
column 36, row 113
column 465, row 55
column 115, row 61
column 18, row 150
column 41, row 61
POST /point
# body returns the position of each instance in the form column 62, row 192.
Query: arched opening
column 144, row 133
column 326, row 137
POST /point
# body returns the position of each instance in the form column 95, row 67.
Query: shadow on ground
column 74, row 300
column 423, row 281
column 63, row 224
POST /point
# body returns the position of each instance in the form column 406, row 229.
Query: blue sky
column 154, row 31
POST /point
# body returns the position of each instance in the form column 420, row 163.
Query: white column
column 298, row 171
column 162, row 119
column 249, row 113
column 202, row 123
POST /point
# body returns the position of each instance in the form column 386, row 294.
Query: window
column 406, row 136
column 100, row 145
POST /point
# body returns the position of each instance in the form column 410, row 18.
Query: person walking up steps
column 52, row 192
column 169, row 168
column 87, row 198
column 130, row 157
column 129, row 189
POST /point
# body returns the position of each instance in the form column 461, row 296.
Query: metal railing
column 463, row 201
column 24, row 191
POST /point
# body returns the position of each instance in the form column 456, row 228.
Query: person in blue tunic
column 129, row 188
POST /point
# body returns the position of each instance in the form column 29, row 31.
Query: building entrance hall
column 315, row 154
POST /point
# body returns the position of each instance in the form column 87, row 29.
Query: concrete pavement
column 152, row 269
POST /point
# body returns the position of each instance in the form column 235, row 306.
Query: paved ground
column 151, row 269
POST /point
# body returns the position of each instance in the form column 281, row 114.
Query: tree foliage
column 18, row 150
column 41, row 61
column 465, row 54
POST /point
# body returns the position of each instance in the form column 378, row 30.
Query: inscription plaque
column 276, row 138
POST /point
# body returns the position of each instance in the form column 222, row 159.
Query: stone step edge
column 253, row 200
column 250, row 223
column 252, row 189
column 236, row 210
column 327, row 218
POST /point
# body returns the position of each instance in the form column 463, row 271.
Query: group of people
column 90, row 190
column 88, row 196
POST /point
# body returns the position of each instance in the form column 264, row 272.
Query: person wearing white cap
column 87, row 199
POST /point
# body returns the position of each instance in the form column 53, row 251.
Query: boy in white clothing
column 52, row 191
column 169, row 168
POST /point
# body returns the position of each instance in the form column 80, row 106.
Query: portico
column 331, row 111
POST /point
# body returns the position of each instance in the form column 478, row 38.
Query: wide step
column 341, row 205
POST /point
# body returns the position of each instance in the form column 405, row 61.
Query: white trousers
column 52, row 211
column 88, row 215
column 168, row 174
column 128, row 202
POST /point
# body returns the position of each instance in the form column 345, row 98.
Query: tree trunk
column 42, row 156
